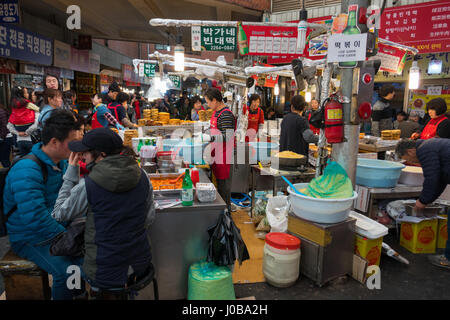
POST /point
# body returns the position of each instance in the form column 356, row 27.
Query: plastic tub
column 190, row 152
column 412, row 176
column 206, row 192
column 261, row 151
column 319, row 210
column 378, row 173
column 281, row 261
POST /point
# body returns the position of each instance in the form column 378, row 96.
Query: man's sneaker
column 440, row 261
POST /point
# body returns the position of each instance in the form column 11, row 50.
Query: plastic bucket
column 378, row 173
column 319, row 210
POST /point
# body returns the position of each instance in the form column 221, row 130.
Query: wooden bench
column 23, row 279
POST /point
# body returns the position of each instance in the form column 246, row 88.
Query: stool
column 24, row 280
column 134, row 284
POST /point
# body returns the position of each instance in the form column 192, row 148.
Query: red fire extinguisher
column 334, row 120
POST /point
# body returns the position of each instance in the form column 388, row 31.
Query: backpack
column 3, row 174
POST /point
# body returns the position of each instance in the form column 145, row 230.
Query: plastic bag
column 259, row 211
column 396, row 209
column 225, row 242
column 277, row 212
column 263, row 225
column 333, row 184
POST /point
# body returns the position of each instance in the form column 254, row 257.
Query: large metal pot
column 277, row 162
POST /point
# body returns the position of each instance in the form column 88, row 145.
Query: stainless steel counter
column 179, row 238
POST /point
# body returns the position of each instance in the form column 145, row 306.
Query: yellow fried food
column 289, row 154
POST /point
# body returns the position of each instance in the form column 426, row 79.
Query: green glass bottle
column 242, row 40
column 140, row 144
column 352, row 28
column 187, row 192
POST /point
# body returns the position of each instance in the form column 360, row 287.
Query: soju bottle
column 242, row 40
column 187, row 193
column 352, row 28
column 140, row 144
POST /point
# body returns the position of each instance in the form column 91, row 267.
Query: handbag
column 71, row 241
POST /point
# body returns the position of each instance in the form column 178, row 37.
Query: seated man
column 118, row 198
column 31, row 227
column 434, row 157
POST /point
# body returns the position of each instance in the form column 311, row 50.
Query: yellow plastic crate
column 442, row 233
column 419, row 237
column 369, row 249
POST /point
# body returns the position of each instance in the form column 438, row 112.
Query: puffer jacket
column 32, row 221
column 434, row 157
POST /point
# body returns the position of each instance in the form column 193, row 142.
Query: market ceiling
column 128, row 20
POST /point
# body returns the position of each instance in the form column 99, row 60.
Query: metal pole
column 346, row 153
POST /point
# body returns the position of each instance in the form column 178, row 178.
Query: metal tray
column 430, row 211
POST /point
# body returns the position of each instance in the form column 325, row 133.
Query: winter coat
column 434, row 157
column 32, row 221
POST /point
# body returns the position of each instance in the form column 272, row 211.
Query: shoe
column 440, row 261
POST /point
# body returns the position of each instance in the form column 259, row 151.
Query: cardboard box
column 369, row 249
column 419, row 237
column 442, row 233
column 359, row 269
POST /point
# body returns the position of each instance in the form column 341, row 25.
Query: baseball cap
column 101, row 139
column 114, row 87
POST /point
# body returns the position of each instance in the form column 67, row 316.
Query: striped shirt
column 225, row 122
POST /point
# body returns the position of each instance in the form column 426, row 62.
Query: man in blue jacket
column 31, row 226
column 434, row 157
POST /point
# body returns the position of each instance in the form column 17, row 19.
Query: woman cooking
column 255, row 117
column 223, row 126
column 438, row 125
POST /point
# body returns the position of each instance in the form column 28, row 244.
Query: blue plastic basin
column 378, row 173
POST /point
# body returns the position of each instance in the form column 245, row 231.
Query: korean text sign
column 347, row 48
column 9, row 11
column 424, row 26
column 17, row 43
column 218, row 38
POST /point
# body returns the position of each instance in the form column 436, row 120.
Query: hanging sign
column 176, row 80
column 434, row 91
column 17, row 43
column 147, row 69
column 196, row 34
column 424, row 26
column 218, row 39
column 9, row 11
column 346, row 48
column 392, row 59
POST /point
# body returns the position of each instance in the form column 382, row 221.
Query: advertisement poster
column 392, row 59
column 419, row 99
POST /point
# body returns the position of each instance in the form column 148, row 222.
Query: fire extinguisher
column 334, row 120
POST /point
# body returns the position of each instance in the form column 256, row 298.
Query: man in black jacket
column 295, row 133
column 434, row 157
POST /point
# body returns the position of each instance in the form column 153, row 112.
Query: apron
column 430, row 129
column 114, row 108
column 95, row 124
column 253, row 123
column 221, row 170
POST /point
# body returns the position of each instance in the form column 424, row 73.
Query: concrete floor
column 419, row 280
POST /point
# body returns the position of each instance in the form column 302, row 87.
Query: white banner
column 347, row 48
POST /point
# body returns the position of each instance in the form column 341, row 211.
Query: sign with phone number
column 17, row 43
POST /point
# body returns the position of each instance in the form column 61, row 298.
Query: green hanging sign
column 149, row 69
column 218, row 39
column 176, row 80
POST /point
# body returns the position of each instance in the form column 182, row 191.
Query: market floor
column 419, row 280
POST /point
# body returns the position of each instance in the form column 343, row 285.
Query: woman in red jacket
column 439, row 125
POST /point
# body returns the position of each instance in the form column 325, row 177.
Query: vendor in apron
column 438, row 125
column 255, row 117
column 223, row 126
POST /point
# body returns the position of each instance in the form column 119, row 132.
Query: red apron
column 221, row 170
column 253, row 123
column 114, row 108
column 430, row 129
column 313, row 129
column 95, row 124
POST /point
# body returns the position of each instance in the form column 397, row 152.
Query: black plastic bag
column 70, row 242
column 226, row 243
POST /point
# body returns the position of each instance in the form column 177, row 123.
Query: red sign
column 425, row 26
column 392, row 59
column 132, row 84
column 316, row 49
column 269, row 80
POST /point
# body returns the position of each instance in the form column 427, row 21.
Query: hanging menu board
column 425, row 26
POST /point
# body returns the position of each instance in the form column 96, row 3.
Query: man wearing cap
column 117, row 199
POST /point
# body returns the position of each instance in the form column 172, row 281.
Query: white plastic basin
column 319, row 210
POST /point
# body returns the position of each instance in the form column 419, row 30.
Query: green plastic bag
column 333, row 184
